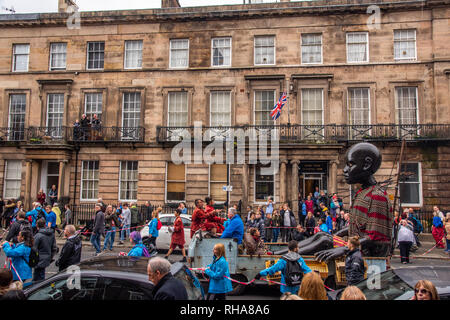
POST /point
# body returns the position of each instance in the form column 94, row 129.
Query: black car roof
column 438, row 275
column 122, row 264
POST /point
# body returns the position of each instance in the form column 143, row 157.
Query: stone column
column 28, row 176
column 333, row 177
column 62, row 178
column 283, row 195
column 295, row 189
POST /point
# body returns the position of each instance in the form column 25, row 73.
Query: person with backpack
column 139, row 249
column 219, row 275
column 20, row 224
column 22, row 256
column 354, row 263
column 71, row 251
column 418, row 228
column 32, row 215
column 438, row 231
column 154, row 226
column 292, row 267
column 45, row 245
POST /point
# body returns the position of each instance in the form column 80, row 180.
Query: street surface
column 260, row 292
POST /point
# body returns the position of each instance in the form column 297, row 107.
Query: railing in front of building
column 69, row 135
column 296, row 133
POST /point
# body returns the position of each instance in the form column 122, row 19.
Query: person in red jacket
column 177, row 236
column 198, row 217
column 212, row 222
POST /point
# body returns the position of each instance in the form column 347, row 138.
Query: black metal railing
column 64, row 135
column 13, row 134
column 296, row 133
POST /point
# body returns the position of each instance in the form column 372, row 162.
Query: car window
column 62, row 290
column 120, row 289
column 165, row 221
column 389, row 287
column 186, row 222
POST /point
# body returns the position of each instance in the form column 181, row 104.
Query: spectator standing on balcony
column 53, row 195
column 76, row 130
column 41, row 197
column 85, row 124
column 96, row 127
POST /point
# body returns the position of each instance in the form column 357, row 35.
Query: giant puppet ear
column 368, row 161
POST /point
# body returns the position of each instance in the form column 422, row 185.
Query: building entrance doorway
column 312, row 174
column 49, row 176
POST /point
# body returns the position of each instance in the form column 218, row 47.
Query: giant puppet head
column 361, row 162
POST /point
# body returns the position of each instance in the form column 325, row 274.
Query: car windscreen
column 383, row 286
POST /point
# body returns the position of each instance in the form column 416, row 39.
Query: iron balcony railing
column 89, row 135
column 12, row 134
column 296, row 133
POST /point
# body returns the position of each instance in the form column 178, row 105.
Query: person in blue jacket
column 329, row 222
column 138, row 249
column 323, row 226
column 50, row 217
column 292, row 255
column 217, row 272
column 153, row 232
column 235, row 229
column 19, row 254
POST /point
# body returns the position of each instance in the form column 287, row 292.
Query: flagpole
column 287, row 101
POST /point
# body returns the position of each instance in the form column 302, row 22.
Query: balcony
column 69, row 135
column 12, row 135
column 313, row 134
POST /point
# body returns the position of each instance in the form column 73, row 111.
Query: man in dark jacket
column 299, row 234
column 134, row 216
column 354, row 263
column 166, row 286
column 45, row 245
column 259, row 224
column 71, row 251
column 17, row 226
column 99, row 228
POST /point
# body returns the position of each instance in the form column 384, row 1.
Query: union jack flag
column 276, row 111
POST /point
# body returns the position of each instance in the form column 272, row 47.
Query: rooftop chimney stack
column 170, row 4
column 64, row 4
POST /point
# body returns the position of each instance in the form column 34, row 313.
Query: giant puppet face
column 361, row 162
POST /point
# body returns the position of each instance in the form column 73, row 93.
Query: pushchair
column 150, row 247
column 86, row 231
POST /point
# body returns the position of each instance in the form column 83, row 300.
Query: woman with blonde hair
column 219, row 275
column 425, row 290
column 154, row 226
column 353, row 293
column 290, row 296
column 312, row 287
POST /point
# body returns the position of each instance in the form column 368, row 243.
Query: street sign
column 227, row 188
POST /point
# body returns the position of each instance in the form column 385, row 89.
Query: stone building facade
column 149, row 74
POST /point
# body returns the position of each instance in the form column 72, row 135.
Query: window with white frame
column 405, row 44
column 131, row 115
column 21, row 53
column 218, row 179
column 311, row 48
column 312, row 113
column 264, row 184
column 357, row 47
column 95, row 55
column 358, row 106
column 406, row 105
column 89, row 180
column 410, row 184
column 55, row 114
column 16, row 118
column 13, row 179
column 175, row 182
column 179, row 53
column 93, row 102
column 220, row 108
column 133, row 54
column 58, row 52
column 128, row 180
column 264, row 50
column 177, row 109
column 221, row 52
column 264, row 103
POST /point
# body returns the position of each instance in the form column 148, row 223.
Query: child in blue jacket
column 19, row 254
column 217, row 272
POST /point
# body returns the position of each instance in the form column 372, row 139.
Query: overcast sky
column 28, row 6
